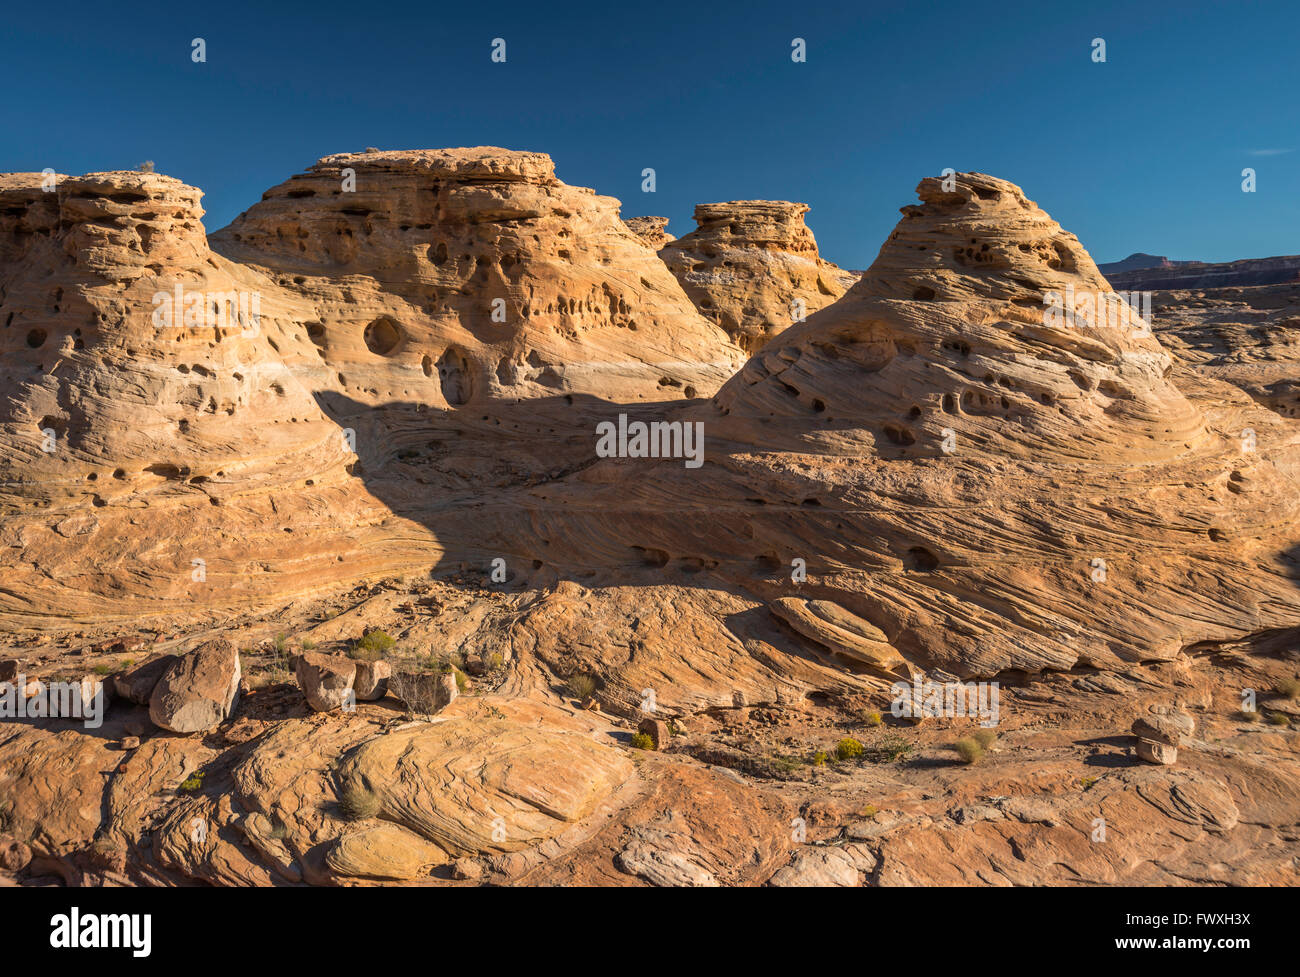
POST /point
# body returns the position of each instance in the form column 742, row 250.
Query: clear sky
column 1141, row 153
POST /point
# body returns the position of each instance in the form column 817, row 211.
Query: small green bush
column 462, row 680
column 193, row 783
column 985, row 738
column 372, row 646
column 848, row 749
column 308, row 644
column 874, row 719
column 581, row 685
column 1278, row 718
column 969, row 750
column 1289, row 687
column 642, row 741
column 103, row 670
column 357, row 803
column 281, row 644
column 819, row 758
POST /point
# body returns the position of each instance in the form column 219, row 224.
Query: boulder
column 325, row 680
column 14, row 855
column 198, row 690
column 657, row 730
column 137, row 684
column 371, row 682
column 1161, row 729
column 840, row 866
column 384, row 851
column 1159, row 753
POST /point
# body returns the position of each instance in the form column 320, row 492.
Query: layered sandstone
column 931, row 477
column 450, row 277
column 752, row 267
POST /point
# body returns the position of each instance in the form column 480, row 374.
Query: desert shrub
column 889, row 748
column 281, row 644
column 873, row 719
column 308, row 644
column 642, row 741
column 193, row 783
column 969, row 750
column 496, row 661
column 1289, row 687
column 870, row 811
column 581, row 685
column 357, row 803
column 103, row 670
column 848, row 749
column 819, row 758
column 146, row 166
column 1278, row 718
column 985, row 738
column 462, row 680
column 371, row 646
column 418, row 696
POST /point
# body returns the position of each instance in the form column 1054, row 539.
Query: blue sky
column 1141, row 153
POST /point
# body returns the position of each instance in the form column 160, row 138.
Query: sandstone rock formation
column 752, row 267
column 474, row 274
column 929, row 477
column 651, row 230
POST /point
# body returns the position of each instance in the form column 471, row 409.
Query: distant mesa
column 1166, row 275
column 1140, row 261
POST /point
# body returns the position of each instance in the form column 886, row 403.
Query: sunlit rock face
column 752, row 267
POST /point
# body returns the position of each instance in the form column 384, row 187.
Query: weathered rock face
column 484, row 786
column 451, row 276
column 752, row 267
column 651, row 230
column 937, row 408
column 157, row 389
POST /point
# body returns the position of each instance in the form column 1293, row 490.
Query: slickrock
column 752, row 267
column 384, row 851
column 473, row 787
column 199, row 690
column 936, row 434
